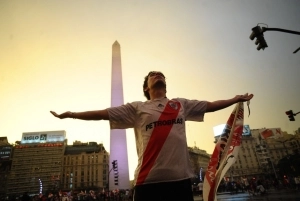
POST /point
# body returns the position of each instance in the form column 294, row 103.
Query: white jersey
column 159, row 127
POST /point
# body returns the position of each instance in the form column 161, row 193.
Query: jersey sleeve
column 123, row 116
column 194, row 110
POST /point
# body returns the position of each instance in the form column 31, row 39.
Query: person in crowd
column 25, row 197
column 200, row 188
column 260, row 188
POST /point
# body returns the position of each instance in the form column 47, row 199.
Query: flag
column 225, row 153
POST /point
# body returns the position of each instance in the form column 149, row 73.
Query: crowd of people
column 253, row 186
column 256, row 186
column 102, row 195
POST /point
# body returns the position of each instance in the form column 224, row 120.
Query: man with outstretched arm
column 164, row 170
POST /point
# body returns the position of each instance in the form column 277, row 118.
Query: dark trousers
column 166, row 191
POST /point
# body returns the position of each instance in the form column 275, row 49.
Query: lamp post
column 108, row 177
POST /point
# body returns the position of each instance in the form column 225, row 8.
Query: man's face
column 156, row 79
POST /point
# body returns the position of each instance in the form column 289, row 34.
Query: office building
column 36, row 161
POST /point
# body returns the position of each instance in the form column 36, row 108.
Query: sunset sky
column 56, row 55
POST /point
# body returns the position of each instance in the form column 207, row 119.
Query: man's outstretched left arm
column 221, row 104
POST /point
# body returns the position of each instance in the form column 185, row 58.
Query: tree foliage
column 289, row 165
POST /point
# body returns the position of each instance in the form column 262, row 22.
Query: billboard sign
column 246, row 130
column 219, row 129
column 43, row 137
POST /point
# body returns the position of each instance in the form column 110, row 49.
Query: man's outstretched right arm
column 88, row 115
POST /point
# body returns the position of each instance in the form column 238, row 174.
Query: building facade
column 5, row 164
column 261, row 152
column 247, row 163
column 85, row 166
column 199, row 160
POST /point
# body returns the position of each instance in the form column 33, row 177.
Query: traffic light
column 290, row 114
column 257, row 33
column 115, row 165
column 116, row 172
column 116, row 178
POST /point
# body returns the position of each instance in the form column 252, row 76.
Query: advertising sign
column 246, row 130
column 43, row 137
column 270, row 132
column 219, row 129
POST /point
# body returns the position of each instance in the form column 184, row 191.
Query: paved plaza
column 282, row 195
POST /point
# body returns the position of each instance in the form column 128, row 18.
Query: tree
column 289, row 165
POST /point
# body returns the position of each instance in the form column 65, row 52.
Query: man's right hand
column 63, row 115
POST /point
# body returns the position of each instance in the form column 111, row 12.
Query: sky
column 56, row 55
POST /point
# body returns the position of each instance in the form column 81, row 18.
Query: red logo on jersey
column 173, row 105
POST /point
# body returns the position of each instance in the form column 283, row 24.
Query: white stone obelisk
column 118, row 143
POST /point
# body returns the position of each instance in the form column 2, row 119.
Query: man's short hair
column 145, row 85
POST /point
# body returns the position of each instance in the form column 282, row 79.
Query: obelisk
column 118, row 177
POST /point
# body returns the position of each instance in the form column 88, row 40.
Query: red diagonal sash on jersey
column 225, row 153
column 157, row 140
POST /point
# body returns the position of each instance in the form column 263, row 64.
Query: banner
column 225, row 153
